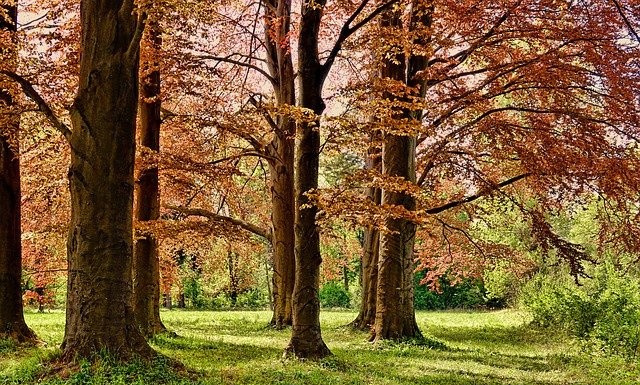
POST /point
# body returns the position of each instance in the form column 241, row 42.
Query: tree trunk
column 371, row 248
column 100, row 315
column 306, row 337
column 12, row 324
column 232, row 262
column 283, row 235
column 167, row 301
column 146, row 264
column 281, row 161
column 395, row 314
column 181, row 302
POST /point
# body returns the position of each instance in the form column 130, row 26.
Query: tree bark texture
column 370, row 251
column 281, row 161
column 146, row 264
column 100, row 314
column 395, row 314
column 12, row 324
column 306, row 337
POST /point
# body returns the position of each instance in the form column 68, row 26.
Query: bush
column 220, row 302
column 253, row 299
column 501, row 288
column 194, row 293
column 604, row 313
column 468, row 294
column 333, row 294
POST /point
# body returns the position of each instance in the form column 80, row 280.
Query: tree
column 395, row 314
column 522, row 101
column 280, row 153
column 12, row 324
column 306, row 339
column 146, row 263
column 100, row 246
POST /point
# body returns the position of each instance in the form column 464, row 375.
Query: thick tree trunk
column 395, row 314
column 12, row 324
column 370, row 250
column 100, row 315
column 281, row 160
column 306, row 337
column 146, row 264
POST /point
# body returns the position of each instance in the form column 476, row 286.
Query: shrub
column 604, row 313
column 333, row 294
column 501, row 288
column 253, row 299
column 220, row 302
column 467, row 294
column 194, row 293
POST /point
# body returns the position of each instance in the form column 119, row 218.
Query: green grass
column 236, row 348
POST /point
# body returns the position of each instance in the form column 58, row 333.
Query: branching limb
column 43, row 106
column 250, row 227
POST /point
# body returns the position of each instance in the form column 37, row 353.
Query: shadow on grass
column 221, row 351
column 523, row 336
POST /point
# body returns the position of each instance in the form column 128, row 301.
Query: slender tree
column 370, row 247
column 280, row 155
column 146, row 264
column 306, row 339
column 12, row 324
column 100, row 247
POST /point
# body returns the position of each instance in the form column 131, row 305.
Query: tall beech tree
column 395, row 314
column 100, row 247
column 12, row 324
column 370, row 247
column 280, row 153
column 146, row 263
column 306, row 339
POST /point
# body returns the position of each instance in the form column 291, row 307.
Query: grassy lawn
column 237, row 348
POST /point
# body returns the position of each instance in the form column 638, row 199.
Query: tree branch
column 264, row 233
column 348, row 30
column 626, row 20
column 471, row 198
column 43, row 106
column 228, row 59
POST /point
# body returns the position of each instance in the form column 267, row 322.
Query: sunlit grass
column 238, row 348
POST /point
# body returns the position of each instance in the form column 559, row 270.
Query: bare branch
column 228, row 59
column 348, row 30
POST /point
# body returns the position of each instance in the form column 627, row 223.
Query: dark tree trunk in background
column 306, row 337
column 370, row 251
column 181, row 302
column 167, row 301
column 281, row 160
column 12, row 324
column 234, row 281
column 146, row 264
column 100, row 314
column 395, row 314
